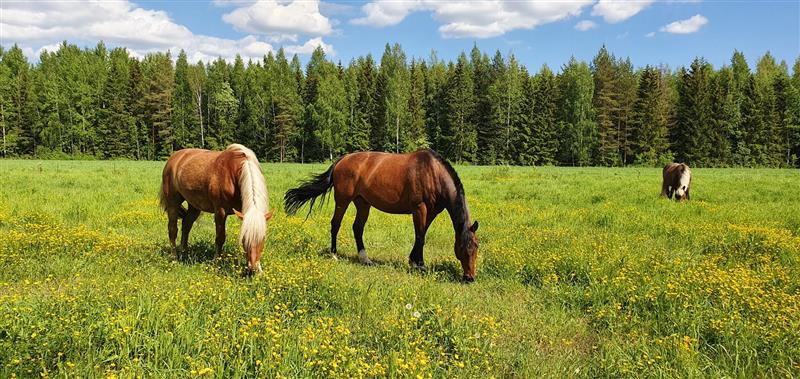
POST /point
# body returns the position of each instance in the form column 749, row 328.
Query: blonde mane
column 255, row 199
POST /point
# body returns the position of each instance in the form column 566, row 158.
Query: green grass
column 582, row 272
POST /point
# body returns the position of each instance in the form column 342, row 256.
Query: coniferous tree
column 606, row 102
column 651, row 119
column 543, row 118
column 436, row 102
column 366, row 107
column 183, row 115
column 690, row 138
column 416, row 137
column 625, row 83
column 393, row 104
column 578, row 130
column 116, row 118
column 460, row 134
column 484, row 74
column 159, row 84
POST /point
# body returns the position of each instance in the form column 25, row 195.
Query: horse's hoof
column 418, row 266
column 362, row 257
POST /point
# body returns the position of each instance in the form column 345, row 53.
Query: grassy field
column 582, row 272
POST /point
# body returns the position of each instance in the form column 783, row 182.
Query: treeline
column 479, row 109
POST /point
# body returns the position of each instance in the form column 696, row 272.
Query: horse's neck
column 459, row 213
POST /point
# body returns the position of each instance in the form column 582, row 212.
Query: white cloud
column 585, row 25
column 309, row 46
column 689, row 25
column 614, row 11
column 479, row 19
column 650, row 35
column 272, row 17
column 43, row 25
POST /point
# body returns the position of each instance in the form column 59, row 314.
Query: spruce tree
column 460, row 134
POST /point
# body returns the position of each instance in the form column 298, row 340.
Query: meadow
column 582, row 272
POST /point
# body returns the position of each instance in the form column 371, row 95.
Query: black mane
column 459, row 211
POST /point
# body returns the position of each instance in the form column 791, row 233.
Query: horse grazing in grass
column 219, row 182
column 422, row 184
column 677, row 180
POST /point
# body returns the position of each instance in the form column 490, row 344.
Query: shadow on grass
column 229, row 262
column 439, row 271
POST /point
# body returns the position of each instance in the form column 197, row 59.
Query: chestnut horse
column 677, row 179
column 422, row 184
column 219, row 182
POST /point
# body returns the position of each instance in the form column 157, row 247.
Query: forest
column 101, row 103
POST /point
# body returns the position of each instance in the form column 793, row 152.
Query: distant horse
column 422, row 184
column 219, row 182
column 677, row 180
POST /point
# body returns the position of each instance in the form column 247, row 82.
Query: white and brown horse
column 677, row 180
column 223, row 183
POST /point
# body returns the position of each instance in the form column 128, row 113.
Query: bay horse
column 421, row 183
column 223, row 183
column 677, row 179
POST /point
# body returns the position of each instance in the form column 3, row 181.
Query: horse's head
column 683, row 187
column 466, row 248
column 253, row 236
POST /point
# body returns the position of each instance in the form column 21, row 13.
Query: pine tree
column 625, row 84
column 184, row 116
column 328, row 111
column 116, row 118
column 771, row 150
column 159, row 84
column 606, row 103
column 543, row 118
column 484, row 74
column 650, row 120
column 394, row 90
column 690, row 138
column 460, row 135
column 417, row 137
column 366, row 107
column 578, row 130
column 725, row 112
column 288, row 107
column 436, row 102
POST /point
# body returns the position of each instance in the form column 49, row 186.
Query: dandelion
column 408, row 306
column 205, row 371
column 416, row 314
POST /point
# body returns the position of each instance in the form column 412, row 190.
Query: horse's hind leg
column 362, row 214
column 172, row 227
column 336, row 222
column 186, row 226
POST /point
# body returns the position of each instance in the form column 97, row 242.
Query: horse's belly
column 199, row 201
column 389, row 204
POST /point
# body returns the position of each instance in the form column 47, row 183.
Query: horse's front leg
column 219, row 222
column 416, row 258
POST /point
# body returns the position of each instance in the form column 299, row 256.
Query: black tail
column 318, row 185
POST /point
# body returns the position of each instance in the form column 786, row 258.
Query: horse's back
column 393, row 183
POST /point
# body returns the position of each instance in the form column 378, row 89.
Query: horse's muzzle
column 468, row 279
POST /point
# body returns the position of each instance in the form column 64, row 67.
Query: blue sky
column 648, row 31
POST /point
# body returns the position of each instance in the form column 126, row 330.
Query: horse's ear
column 268, row 215
column 238, row 214
column 474, row 227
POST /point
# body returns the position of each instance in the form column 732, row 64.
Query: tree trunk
column 397, row 134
